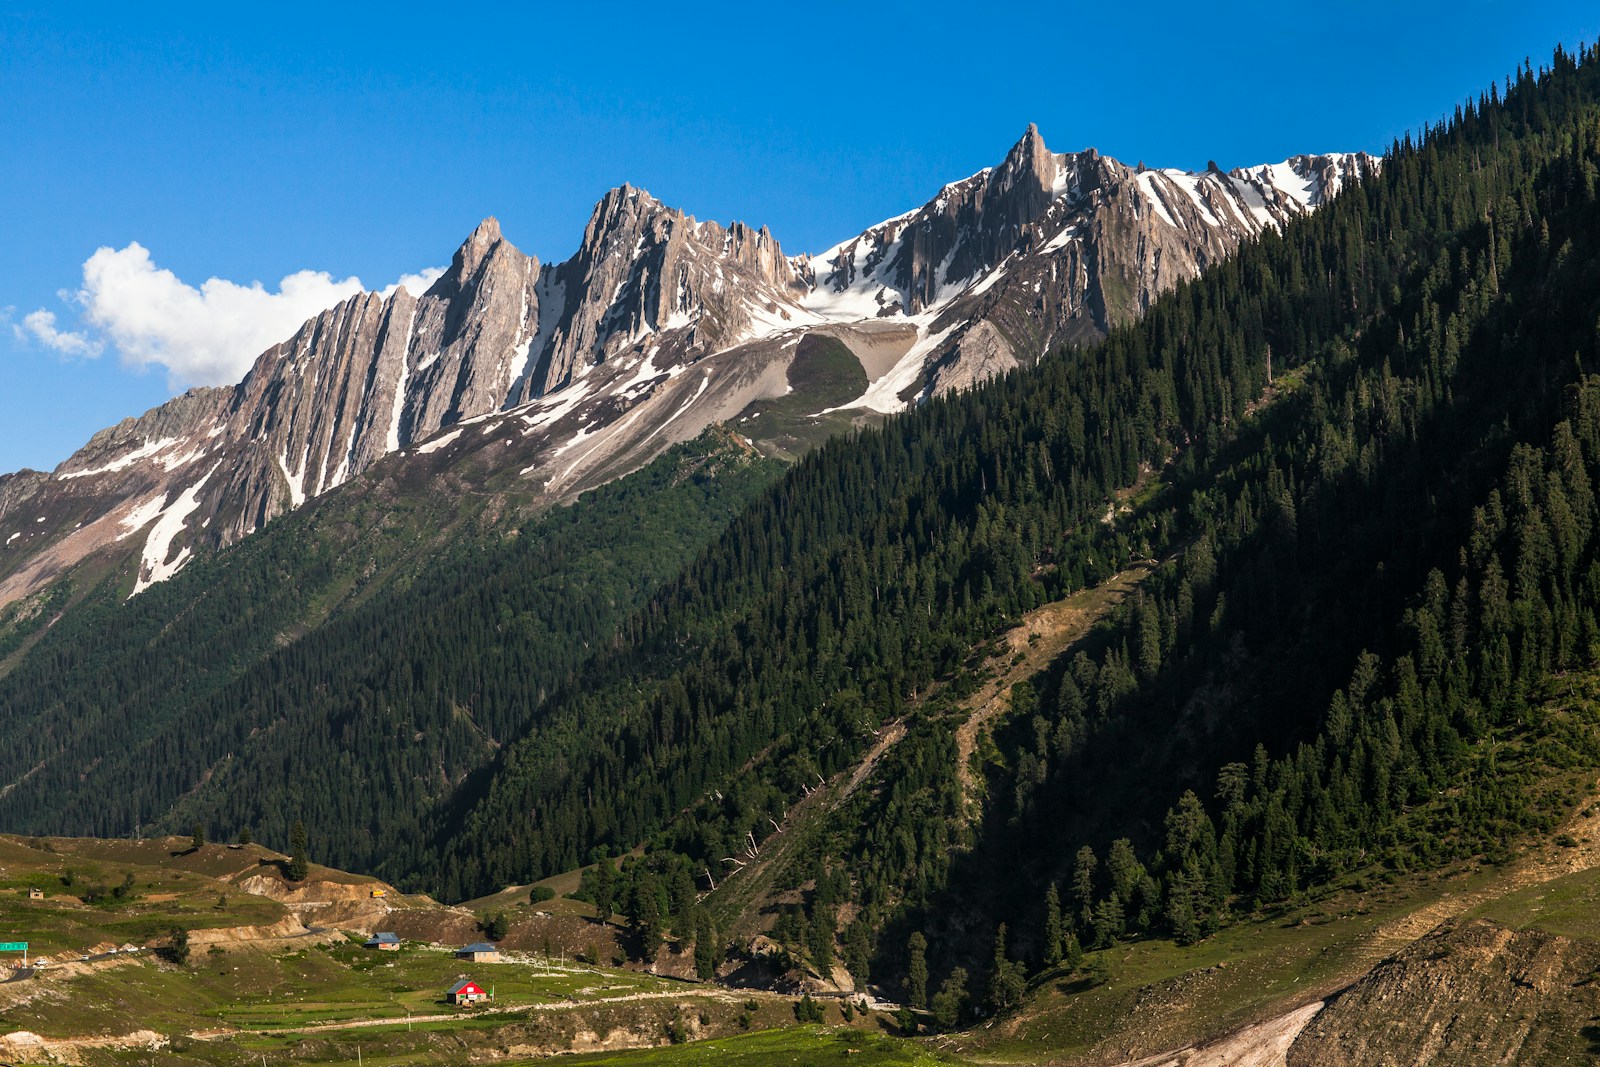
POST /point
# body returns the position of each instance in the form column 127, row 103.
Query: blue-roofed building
column 479, row 952
column 384, row 942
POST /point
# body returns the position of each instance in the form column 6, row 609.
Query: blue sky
column 249, row 143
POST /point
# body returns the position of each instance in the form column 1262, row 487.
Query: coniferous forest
column 1372, row 564
column 1361, row 458
column 346, row 667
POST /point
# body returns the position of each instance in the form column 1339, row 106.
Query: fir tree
column 1007, row 981
column 1053, row 930
column 917, row 970
column 299, row 865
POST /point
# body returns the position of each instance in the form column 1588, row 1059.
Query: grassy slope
column 823, row 375
column 791, row 1047
column 315, row 997
column 172, row 886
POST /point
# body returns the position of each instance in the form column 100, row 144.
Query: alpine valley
column 1102, row 615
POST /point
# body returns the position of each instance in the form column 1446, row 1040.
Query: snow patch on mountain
column 439, row 442
column 297, row 487
column 140, row 516
column 155, row 566
column 123, row 462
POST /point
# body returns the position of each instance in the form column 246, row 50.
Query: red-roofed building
column 466, row 991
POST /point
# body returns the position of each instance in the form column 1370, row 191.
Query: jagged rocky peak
column 656, row 326
column 632, row 229
column 1025, row 182
column 644, row 268
column 484, row 251
column 470, row 256
column 972, row 225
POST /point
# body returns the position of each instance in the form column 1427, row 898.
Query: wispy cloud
column 40, row 326
column 205, row 335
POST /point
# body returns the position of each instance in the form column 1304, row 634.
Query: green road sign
column 13, row 946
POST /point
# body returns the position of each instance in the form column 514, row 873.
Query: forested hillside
column 350, row 665
column 1365, row 451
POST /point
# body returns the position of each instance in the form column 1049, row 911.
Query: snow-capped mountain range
column 657, row 327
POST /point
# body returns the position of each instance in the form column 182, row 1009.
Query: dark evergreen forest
column 291, row 683
column 1373, row 440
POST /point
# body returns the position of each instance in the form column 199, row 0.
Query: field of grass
column 795, row 1046
column 312, row 986
column 171, row 886
column 1569, row 906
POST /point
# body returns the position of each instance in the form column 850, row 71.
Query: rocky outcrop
column 1478, row 994
column 658, row 326
column 645, row 269
column 1049, row 248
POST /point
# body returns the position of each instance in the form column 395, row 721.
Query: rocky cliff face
column 644, row 269
column 657, row 327
column 1047, row 248
column 1478, row 994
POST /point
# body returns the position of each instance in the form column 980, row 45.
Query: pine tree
column 1108, row 921
column 1007, row 982
column 177, row 947
column 1052, row 926
column 1072, row 951
column 605, row 888
column 644, row 915
column 299, row 865
column 917, row 970
column 707, row 947
column 1083, row 886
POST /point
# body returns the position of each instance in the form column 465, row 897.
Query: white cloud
column 41, row 326
column 415, row 284
column 203, row 336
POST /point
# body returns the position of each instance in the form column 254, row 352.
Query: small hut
column 466, row 991
column 384, row 942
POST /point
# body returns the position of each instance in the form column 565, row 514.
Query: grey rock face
column 1052, row 248
column 644, row 269
column 658, row 326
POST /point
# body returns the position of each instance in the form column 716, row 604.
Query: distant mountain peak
column 1029, row 161
column 478, row 246
column 656, row 327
